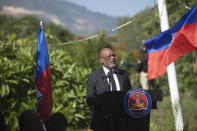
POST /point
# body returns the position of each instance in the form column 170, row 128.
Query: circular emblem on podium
column 137, row 103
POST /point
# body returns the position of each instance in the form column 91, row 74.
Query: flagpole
column 172, row 80
column 41, row 22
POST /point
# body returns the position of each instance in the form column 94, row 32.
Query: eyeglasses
column 109, row 56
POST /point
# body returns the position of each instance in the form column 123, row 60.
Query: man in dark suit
column 106, row 88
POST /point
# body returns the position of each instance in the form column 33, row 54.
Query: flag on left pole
column 43, row 77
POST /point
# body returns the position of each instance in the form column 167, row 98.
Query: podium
column 117, row 97
column 114, row 102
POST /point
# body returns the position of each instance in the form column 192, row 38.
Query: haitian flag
column 172, row 43
column 43, row 77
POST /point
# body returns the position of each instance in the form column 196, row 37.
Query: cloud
column 18, row 11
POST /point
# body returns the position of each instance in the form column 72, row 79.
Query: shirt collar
column 106, row 70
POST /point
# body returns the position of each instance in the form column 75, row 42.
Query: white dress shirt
column 115, row 78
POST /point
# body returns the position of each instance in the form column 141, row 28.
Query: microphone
column 126, row 64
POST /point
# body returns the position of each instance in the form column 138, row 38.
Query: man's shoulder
column 96, row 71
column 121, row 71
column 100, row 71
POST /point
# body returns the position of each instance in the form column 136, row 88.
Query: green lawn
column 162, row 118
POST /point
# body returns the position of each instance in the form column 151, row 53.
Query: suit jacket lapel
column 104, row 79
column 120, row 81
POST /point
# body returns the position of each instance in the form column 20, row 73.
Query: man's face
column 108, row 58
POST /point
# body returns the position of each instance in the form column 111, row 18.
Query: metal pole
column 172, row 80
column 41, row 22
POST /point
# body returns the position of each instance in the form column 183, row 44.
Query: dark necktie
column 111, row 80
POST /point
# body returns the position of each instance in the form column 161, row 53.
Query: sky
column 115, row 7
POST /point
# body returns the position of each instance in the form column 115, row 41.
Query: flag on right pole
column 169, row 45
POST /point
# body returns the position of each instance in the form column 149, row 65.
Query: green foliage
column 18, row 85
column 144, row 26
column 70, row 67
column 86, row 54
column 57, row 32
column 186, row 68
column 26, row 29
column 71, row 64
column 69, row 89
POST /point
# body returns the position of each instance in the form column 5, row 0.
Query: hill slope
column 73, row 17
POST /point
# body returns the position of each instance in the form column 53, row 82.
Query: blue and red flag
column 43, row 77
column 172, row 43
